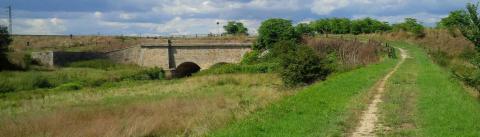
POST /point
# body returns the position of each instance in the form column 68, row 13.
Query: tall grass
column 92, row 73
column 319, row 110
column 267, row 67
column 448, row 49
column 186, row 107
column 348, row 54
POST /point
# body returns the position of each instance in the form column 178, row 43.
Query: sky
column 186, row 17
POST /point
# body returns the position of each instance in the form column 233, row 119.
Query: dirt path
column 369, row 118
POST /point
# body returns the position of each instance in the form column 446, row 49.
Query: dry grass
column 448, row 49
column 191, row 107
column 437, row 40
column 350, row 53
column 107, row 43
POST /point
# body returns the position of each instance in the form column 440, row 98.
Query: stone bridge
column 179, row 58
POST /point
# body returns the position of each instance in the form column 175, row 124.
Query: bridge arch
column 186, row 69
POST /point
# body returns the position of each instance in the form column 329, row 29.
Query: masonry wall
column 131, row 55
column 206, row 56
column 153, row 56
column 61, row 58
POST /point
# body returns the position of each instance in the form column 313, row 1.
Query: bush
column 251, row 57
column 70, row 86
column 242, row 68
column 274, row 30
column 302, row 66
column 96, row 64
column 6, row 86
column 412, row 26
column 149, row 74
column 441, row 58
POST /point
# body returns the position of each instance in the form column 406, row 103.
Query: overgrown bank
column 322, row 109
column 423, row 100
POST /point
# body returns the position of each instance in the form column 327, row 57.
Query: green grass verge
column 423, row 100
column 319, row 110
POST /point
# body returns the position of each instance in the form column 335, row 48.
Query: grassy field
column 184, row 107
column 323, row 109
column 424, row 100
column 76, row 75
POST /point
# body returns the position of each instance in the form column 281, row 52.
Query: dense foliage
column 304, row 29
column 5, row 40
column 235, row 28
column 347, row 26
column 467, row 21
column 412, row 26
column 300, row 64
column 274, row 30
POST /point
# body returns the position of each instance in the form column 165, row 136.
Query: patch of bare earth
column 369, row 118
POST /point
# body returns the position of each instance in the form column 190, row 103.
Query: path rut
column 369, row 118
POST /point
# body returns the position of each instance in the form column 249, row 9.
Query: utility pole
column 10, row 23
column 218, row 28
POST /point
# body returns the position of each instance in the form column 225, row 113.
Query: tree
column 274, row 30
column 304, row 29
column 455, row 20
column 235, row 28
column 471, row 28
column 411, row 25
column 5, row 40
column 369, row 25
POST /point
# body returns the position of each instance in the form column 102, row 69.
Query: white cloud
column 180, row 26
column 98, row 14
column 426, row 18
column 39, row 26
column 325, row 7
column 126, row 16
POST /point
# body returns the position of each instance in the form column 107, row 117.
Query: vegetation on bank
column 77, row 75
column 192, row 106
column 423, row 100
column 323, row 109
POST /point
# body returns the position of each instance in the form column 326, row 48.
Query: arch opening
column 186, row 69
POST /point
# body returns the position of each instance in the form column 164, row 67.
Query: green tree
column 471, row 28
column 455, row 20
column 235, row 28
column 411, row 25
column 321, row 26
column 5, row 40
column 274, row 30
column 304, row 29
column 369, row 25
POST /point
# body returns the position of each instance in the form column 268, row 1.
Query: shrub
column 242, row 68
column 251, row 57
column 149, row 74
column 344, row 54
column 6, row 86
column 274, row 30
column 412, row 26
column 39, row 81
column 441, row 58
column 96, row 64
column 302, row 66
column 70, row 86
